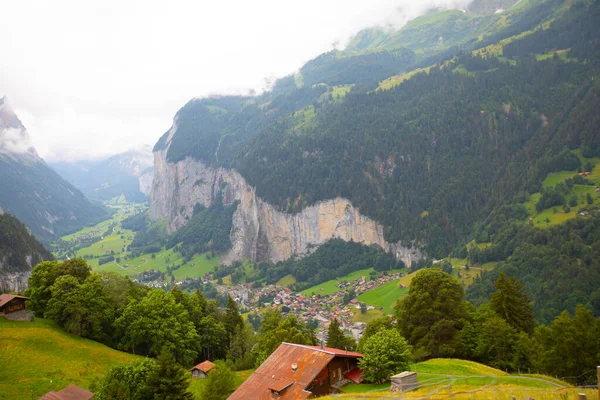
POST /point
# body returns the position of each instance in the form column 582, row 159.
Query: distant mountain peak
column 14, row 138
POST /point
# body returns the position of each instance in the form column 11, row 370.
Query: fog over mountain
column 102, row 91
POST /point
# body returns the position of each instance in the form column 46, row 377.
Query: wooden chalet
column 201, row 370
column 71, row 392
column 296, row 371
column 10, row 303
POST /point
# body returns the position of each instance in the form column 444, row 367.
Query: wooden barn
column 201, row 370
column 296, row 371
column 10, row 303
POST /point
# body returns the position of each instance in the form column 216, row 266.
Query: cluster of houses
column 319, row 307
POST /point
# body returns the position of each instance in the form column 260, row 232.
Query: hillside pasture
column 38, row 357
column 460, row 379
column 330, row 287
column 384, row 296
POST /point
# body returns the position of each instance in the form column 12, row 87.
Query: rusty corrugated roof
column 277, row 371
column 337, row 352
column 282, row 384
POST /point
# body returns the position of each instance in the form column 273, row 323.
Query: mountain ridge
column 33, row 192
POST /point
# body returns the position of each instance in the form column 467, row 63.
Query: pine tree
column 512, row 303
column 220, row 383
column 169, row 381
column 232, row 319
column 337, row 339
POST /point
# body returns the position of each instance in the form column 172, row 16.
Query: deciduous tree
column 385, row 353
column 432, row 314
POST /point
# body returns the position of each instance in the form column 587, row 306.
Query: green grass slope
column 460, row 379
column 37, row 357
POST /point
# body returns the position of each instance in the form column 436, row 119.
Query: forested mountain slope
column 19, row 253
column 32, row 191
column 434, row 154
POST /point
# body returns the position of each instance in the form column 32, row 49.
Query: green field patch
column 367, row 317
column 330, row 287
column 39, row 357
column 554, row 178
column 197, row 267
column 453, row 366
column 395, row 80
column 384, row 296
column 457, row 262
column 286, row 280
column 461, row 379
column 115, row 242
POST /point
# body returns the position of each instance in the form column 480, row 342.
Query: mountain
column 33, row 192
column 129, row 174
column 20, row 251
column 410, row 161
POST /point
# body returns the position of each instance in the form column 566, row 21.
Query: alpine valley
column 427, row 196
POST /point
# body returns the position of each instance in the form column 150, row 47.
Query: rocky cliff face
column 145, row 181
column 259, row 232
column 14, row 282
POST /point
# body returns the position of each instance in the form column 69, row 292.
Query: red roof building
column 201, row 370
column 71, row 392
column 296, row 371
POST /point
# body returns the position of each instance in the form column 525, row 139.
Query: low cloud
column 13, row 140
column 95, row 78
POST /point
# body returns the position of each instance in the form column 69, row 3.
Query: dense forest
column 330, row 261
column 559, row 266
column 428, row 158
column 207, row 230
column 19, row 249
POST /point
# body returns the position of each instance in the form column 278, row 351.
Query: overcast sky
column 92, row 78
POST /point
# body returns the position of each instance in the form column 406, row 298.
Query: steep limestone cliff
column 14, row 281
column 259, row 232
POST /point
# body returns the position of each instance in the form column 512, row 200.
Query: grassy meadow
column 555, row 215
column 384, row 296
column 330, row 287
column 460, row 379
column 38, row 357
column 116, row 242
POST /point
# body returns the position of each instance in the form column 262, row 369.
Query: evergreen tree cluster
column 19, row 249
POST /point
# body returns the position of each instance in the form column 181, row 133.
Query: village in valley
column 320, row 308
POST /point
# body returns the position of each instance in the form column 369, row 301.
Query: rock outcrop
column 14, row 281
column 259, row 231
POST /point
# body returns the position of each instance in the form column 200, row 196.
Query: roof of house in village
column 204, row 366
column 71, row 392
column 277, row 373
column 5, row 298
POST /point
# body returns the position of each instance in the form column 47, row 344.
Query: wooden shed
column 404, row 381
column 201, row 370
column 10, row 303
